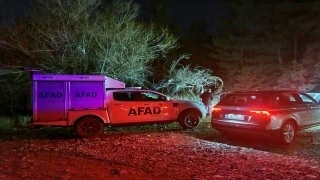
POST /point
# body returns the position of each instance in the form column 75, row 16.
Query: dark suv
column 279, row 113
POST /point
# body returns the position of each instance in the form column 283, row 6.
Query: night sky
column 11, row 10
column 183, row 12
column 189, row 11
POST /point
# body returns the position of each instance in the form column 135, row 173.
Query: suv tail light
column 216, row 109
column 260, row 112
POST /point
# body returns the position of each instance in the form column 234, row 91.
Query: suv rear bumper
column 245, row 129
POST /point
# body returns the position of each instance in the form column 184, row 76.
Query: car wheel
column 189, row 120
column 287, row 133
column 88, row 127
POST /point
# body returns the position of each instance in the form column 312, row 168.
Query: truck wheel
column 287, row 133
column 188, row 120
column 88, row 127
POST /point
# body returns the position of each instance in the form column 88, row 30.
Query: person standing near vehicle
column 207, row 99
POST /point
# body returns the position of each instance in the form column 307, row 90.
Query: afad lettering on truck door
column 144, row 111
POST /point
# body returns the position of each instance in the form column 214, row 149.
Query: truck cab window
column 121, row 96
column 149, row 96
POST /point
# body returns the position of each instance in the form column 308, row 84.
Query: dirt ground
column 161, row 153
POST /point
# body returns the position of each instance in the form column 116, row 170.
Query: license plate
column 234, row 116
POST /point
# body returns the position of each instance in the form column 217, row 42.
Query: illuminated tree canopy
column 89, row 37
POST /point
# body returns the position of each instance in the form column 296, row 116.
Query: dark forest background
column 256, row 44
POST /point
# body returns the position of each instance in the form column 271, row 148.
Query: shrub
column 8, row 123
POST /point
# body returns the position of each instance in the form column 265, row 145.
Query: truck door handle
column 147, row 104
column 117, row 104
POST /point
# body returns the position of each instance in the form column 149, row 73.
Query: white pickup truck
column 88, row 102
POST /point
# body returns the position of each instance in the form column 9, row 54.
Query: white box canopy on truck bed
column 55, row 95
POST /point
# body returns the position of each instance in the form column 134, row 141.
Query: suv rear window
column 244, row 100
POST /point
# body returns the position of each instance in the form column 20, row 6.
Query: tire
column 188, row 120
column 88, row 127
column 287, row 133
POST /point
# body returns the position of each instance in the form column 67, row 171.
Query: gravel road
column 158, row 153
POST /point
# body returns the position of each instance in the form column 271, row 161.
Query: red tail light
column 261, row 112
column 216, row 109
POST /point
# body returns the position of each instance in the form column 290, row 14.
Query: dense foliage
column 268, row 45
column 86, row 37
column 257, row 45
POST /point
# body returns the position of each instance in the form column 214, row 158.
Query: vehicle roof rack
column 133, row 87
column 33, row 70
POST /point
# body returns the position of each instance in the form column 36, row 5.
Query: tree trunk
column 279, row 55
column 241, row 56
column 295, row 46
